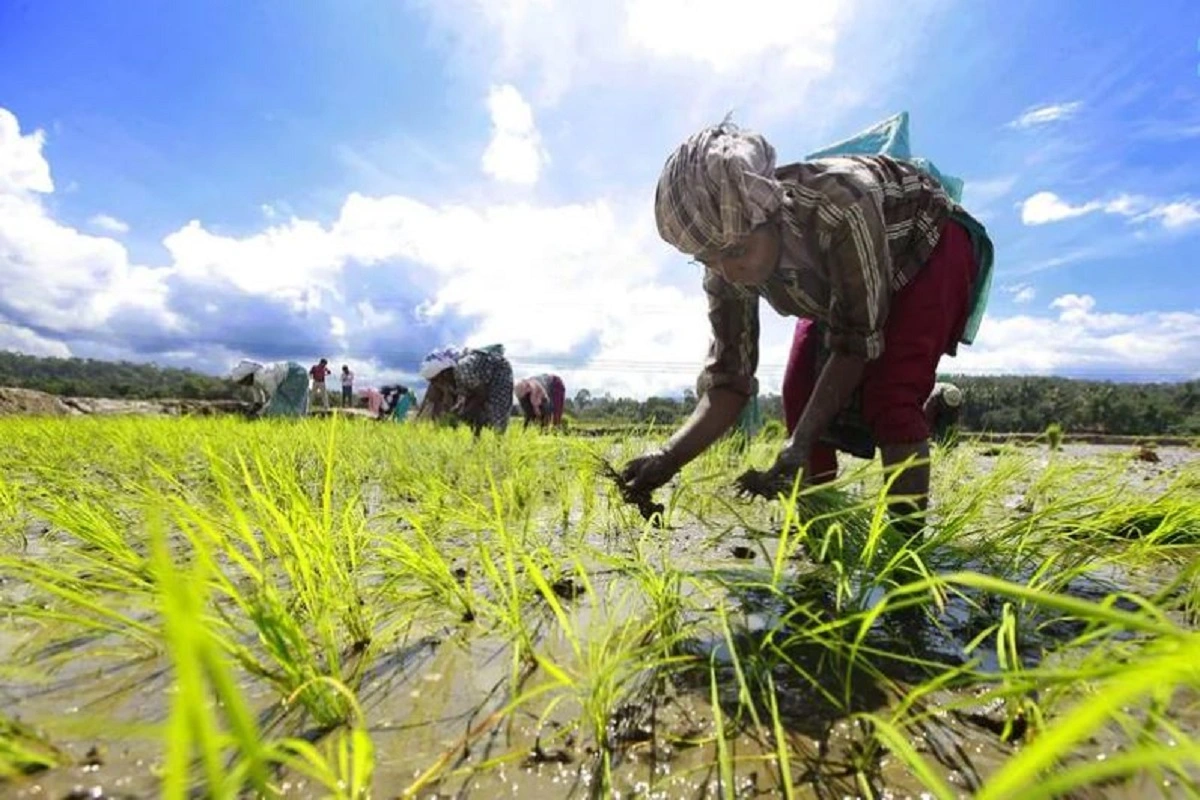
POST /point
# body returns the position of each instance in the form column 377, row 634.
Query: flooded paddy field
column 334, row 608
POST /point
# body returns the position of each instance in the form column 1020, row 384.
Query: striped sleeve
column 733, row 352
column 860, row 270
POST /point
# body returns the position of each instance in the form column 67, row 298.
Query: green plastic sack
column 890, row 138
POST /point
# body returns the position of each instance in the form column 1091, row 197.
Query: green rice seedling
column 272, row 530
column 661, row 586
column 24, row 751
column 724, row 756
column 1172, row 663
column 304, row 555
column 209, row 715
column 1054, row 436
column 416, row 571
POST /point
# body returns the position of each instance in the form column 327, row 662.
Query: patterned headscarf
column 718, row 186
column 244, row 369
column 438, row 362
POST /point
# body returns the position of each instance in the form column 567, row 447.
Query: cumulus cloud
column 1046, row 114
column 22, row 168
column 1082, row 340
column 53, row 276
column 108, row 224
column 515, row 153
column 575, row 284
column 1046, row 207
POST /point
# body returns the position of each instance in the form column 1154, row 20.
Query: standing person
column 474, row 385
column 319, row 372
column 347, row 387
column 870, row 247
column 280, row 389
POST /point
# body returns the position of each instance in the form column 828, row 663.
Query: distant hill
column 85, row 377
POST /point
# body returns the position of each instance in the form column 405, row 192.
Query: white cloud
column 53, row 276
column 515, row 153
column 23, row 340
column 1175, row 215
column 1043, row 115
column 1046, row 207
column 1021, row 292
column 759, row 57
column 22, row 168
column 709, row 32
column 292, row 262
column 109, row 224
column 1082, row 340
column 370, row 317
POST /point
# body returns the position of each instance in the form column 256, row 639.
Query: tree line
column 85, row 377
column 1000, row 404
column 1003, row 404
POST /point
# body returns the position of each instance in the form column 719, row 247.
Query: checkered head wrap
column 717, row 187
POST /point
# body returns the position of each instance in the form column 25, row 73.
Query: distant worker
column 872, row 247
column 397, row 400
column 943, row 410
column 542, row 398
column 347, row 387
column 474, row 385
column 280, row 389
column 319, row 372
column 374, row 399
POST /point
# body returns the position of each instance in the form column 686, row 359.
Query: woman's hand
column 780, row 477
column 644, row 474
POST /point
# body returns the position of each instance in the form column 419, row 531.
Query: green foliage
column 1012, row 404
column 773, row 430
column 996, row 404
column 79, row 377
column 317, row 592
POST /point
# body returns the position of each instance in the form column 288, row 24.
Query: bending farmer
column 541, row 398
column 473, row 385
column 395, row 403
column 869, row 247
column 280, row 389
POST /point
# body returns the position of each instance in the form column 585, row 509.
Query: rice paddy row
column 347, row 609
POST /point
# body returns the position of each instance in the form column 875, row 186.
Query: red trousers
column 925, row 320
column 558, row 398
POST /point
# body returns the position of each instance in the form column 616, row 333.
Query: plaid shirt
column 855, row 230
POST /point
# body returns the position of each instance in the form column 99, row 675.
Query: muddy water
column 429, row 695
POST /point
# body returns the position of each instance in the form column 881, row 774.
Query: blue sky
column 191, row 183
